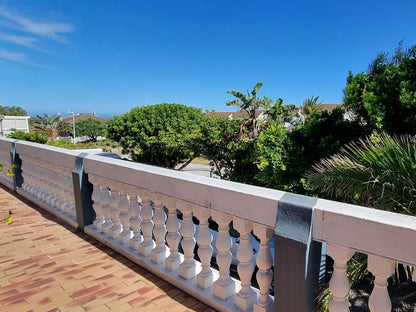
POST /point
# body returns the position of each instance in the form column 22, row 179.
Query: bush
column 31, row 137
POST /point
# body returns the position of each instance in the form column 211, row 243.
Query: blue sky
column 108, row 56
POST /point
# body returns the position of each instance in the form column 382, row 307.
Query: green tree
column 12, row 111
column 250, row 103
column 218, row 142
column 284, row 157
column 90, row 127
column 162, row 134
column 311, row 106
column 384, row 98
column 278, row 113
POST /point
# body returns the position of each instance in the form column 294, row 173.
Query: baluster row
column 48, row 183
column 339, row 286
column 134, row 220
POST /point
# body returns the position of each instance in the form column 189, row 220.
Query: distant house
column 84, row 116
column 8, row 124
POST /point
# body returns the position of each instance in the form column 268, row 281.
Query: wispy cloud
column 20, row 40
column 42, row 29
column 13, row 56
column 19, row 30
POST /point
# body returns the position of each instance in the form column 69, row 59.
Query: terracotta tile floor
column 47, row 266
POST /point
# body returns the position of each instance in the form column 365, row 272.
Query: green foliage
column 12, row 111
column 278, row 113
column 62, row 144
column 284, row 157
column 90, row 127
column 379, row 172
column 218, row 143
column 311, row 106
column 50, row 125
column 9, row 219
column 162, row 134
column 385, row 97
column 31, row 137
column 250, row 103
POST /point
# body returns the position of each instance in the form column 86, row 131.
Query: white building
column 8, row 124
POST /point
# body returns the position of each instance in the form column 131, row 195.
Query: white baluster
column 187, row 269
column 62, row 200
column 173, row 237
column 96, row 197
column 124, row 206
column 135, row 220
column 204, row 239
column 105, row 207
column 382, row 269
column 246, row 297
column 70, row 193
column 264, row 275
column 339, row 285
column 54, row 186
column 115, row 214
column 158, row 254
column 146, row 246
column 224, row 286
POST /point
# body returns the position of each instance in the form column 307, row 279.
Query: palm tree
column 51, row 125
column 378, row 172
column 250, row 103
column 311, row 106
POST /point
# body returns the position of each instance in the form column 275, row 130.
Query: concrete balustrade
column 135, row 211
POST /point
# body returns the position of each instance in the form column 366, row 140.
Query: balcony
column 133, row 209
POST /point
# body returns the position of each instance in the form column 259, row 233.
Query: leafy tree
column 384, row 98
column 162, row 134
column 218, row 139
column 250, row 103
column 90, row 127
column 279, row 113
column 284, row 157
column 12, row 111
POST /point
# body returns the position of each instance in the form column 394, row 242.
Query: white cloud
column 14, row 24
column 13, row 56
column 47, row 30
column 20, row 40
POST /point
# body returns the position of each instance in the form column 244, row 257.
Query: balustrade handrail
column 232, row 198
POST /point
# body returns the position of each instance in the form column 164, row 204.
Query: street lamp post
column 149, row 94
column 73, row 123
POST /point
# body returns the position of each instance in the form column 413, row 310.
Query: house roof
column 84, row 116
column 238, row 114
column 331, row 107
